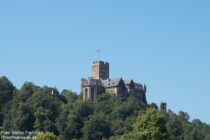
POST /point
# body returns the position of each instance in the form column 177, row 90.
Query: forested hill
column 67, row 116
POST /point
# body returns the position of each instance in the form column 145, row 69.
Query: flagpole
column 99, row 55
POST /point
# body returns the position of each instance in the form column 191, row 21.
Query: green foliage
column 0, row 133
column 67, row 116
column 33, row 108
column 150, row 126
column 174, row 126
column 6, row 90
column 69, row 95
column 46, row 109
column 46, row 136
column 72, row 117
column 26, row 91
column 1, row 115
column 184, row 116
column 180, row 128
column 153, row 105
column 96, row 128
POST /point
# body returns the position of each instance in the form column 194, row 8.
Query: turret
column 100, row 70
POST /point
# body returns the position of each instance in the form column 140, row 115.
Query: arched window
column 86, row 93
column 92, row 93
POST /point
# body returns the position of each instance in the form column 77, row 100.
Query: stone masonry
column 101, row 83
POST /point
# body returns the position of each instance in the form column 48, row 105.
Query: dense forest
column 65, row 116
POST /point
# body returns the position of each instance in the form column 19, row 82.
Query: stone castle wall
column 100, row 70
column 100, row 83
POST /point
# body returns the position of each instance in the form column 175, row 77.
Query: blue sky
column 164, row 44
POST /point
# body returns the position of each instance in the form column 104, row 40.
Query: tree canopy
column 46, row 136
column 149, row 126
column 66, row 116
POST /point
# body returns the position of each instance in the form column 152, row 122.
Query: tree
column 71, row 119
column 96, row 128
column 46, row 109
column 175, row 127
column 35, row 108
column 23, row 118
column 150, row 126
column 43, row 121
column 0, row 133
column 26, row 91
column 70, row 96
column 6, row 90
column 153, row 105
column 1, row 115
column 46, row 136
column 184, row 116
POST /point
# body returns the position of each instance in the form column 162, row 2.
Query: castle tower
column 100, row 70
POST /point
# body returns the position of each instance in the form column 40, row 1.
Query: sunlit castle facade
column 101, row 83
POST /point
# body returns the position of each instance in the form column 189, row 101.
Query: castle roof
column 91, row 82
column 108, row 83
column 112, row 82
column 128, row 82
column 138, row 85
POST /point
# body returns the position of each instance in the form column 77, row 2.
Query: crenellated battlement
column 100, row 83
column 100, row 62
column 100, row 70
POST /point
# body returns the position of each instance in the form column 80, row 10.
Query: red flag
column 98, row 51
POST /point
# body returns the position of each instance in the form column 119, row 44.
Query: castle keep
column 100, row 83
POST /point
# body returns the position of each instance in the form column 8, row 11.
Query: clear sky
column 162, row 43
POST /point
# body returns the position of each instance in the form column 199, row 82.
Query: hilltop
column 67, row 116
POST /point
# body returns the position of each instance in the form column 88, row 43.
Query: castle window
column 86, row 93
column 92, row 93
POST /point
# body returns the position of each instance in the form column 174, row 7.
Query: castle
column 101, row 83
